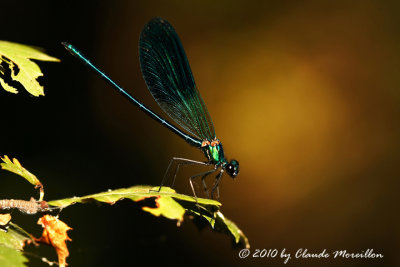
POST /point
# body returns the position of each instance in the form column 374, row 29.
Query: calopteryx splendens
column 169, row 78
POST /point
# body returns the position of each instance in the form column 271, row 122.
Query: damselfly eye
column 232, row 168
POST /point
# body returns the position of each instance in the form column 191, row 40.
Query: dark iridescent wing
column 168, row 76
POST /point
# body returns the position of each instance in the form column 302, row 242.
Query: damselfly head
column 232, row 168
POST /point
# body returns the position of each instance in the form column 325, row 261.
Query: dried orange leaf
column 4, row 219
column 55, row 234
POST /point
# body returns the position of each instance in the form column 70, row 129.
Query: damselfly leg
column 179, row 162
column 215, row 187
column 204, row 175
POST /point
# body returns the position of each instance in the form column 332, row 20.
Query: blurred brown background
column 305, row 94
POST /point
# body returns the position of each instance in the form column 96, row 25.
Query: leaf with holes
column 169, row 204
column 17, row 58
column 167, row 200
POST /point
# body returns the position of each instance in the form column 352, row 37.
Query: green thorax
column 214, row 154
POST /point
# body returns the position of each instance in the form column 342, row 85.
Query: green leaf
column 168, row 204
column 167, row 207
column 12, row 240
column 16, row 167
column 225, row 225
column 11, row 257
column 165, row 200
column 221, row 224
column 14, row 237
column 18, row 55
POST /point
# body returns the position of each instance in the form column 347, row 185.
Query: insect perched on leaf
column 169, row 78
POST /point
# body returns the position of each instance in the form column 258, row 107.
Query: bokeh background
column 305, row 94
